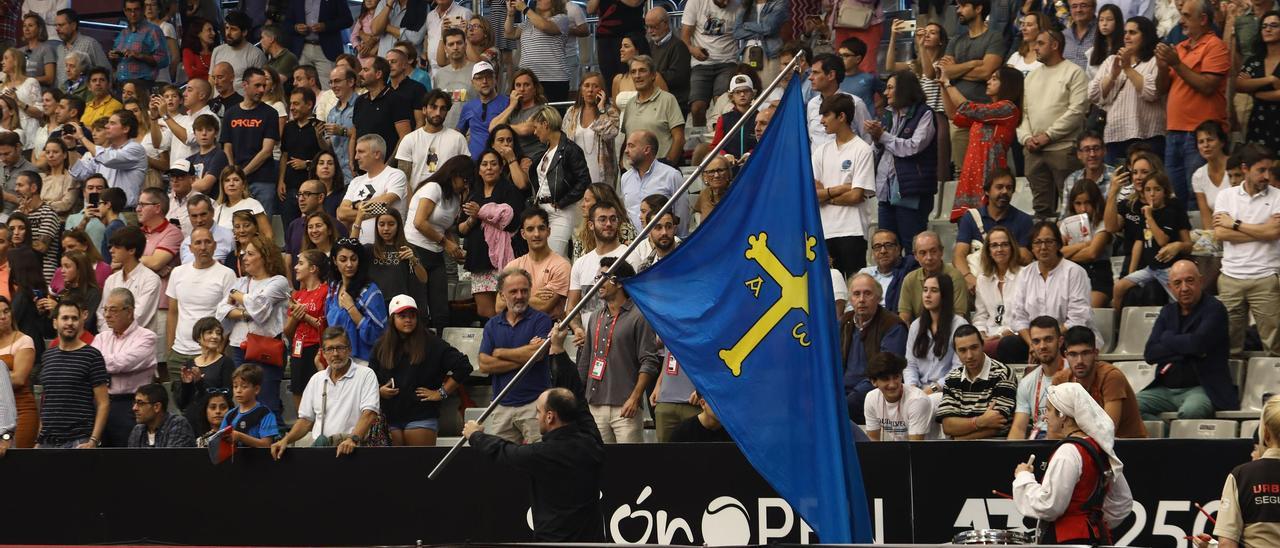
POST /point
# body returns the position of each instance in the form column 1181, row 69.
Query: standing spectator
column 417, row 370
column 127, row 246
column 301, row 141
column 1050, row 287
column 11, row 164
column 560, row 176
column 74, row 377
column 672, row 395
column 825, row 76
column 706, row 28
column 339, row 124
column 978, row 398
column 67, row 25
column 930, row 354
column 928, row 251
column 867, row 332
column 380, row 111
column 1106, row 384
column 194, row 292
column 311, row 196
column 25, row 92
column 315, row 32
column 81, row 281
column 279, row 58
column 670, row 59
column 479, row 113
column 1092, row 253
column 1243, row 221
column 863, row 85
column 156, row 427
column 509, row 341
column 454, row 75
column 616, row 19
column 648, row 176
column 603, row 220
column 999, row 190
column 235, row 199
column 1259, row 85
column 1056, row 104
column 83, row 220
column 447, row 14
column 325, row 169
column 489, row 246
column 654, row 110
column 994, row 292
column 19, row 357
column 45, row 225
column 1212, row 178
column 129, row 351
column 843, row 176
column 905, row 180
column 380, row 186
column 364, row 41
column 992, row 128
column 237, row 51
column 355, row 304
column 1081, row 33
column 527, row 98
column 592, row 122
column 410, row 91
column 1189, row 346
column 1024, row 57
column 255, row 309
column 423, row 151
column 343, row 399
column 123, row 161
column 200, row 210
column 41, row 56
column 195, row 99
column 548, row 271
column 306, row 319
column 76, row 83
column 140, row 50
column 910, row 417
column 433, row 210
column 1194, row 75
column 164, row 242
column 394, row 267
column 151, row 9
column 761, row 27
column 198, row 41
column 930, row 45
column 1031, row 415
column 394, row 21
column 249, row 132
column 223, row 78
column 1126, row 87
column 971, row 58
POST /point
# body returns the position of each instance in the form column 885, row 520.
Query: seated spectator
column 417, row 370
column 979, row 397
column 208, row 372
column 999, row 188
column 704, row 427
column 74, row 377
column 156, row 426
column 928, row 252
column 217, row 403
column 345, row 393
column 252, row 423
column 896, row 411
column 1244, row 221
column 866, row 332
column 1089, row 150
column 1001, row 262
column 930, row 357
column 715, row 182
column 1122, row 214
column 890, row 267
column 1089, row 243
column 355, row 302
column 1049, row 287
column 1166, row 235
column 1103, row 381
column 1189, row 345
column 1032, row 411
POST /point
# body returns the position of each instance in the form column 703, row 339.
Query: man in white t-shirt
column 425, row 149
column 194, row 292
column 380, row 184
column 1244, row 219
column 896, row 411
column 844, row 179
column 1030, row 414
column 707, row 30
column 603, row 221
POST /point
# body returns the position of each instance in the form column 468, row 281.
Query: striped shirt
column 932, row 93
column 69, row 378
column 1132, row 113
column 543, row 53
column 995, row 386
column 45, row 224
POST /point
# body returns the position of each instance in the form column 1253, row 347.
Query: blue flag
column 746, row 305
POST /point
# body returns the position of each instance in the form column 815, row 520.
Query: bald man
column 1189, row 346
column 195, row 100
column 670, row 55
column 223, row 78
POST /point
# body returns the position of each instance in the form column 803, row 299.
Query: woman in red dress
column 992, row 128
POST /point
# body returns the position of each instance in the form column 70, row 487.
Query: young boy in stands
column 253, row 425
column 896, row 411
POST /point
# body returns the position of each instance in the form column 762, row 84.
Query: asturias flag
column 746, row 305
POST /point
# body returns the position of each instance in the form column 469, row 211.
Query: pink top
column 168, row 238
column 101, row 271
column 130, row 357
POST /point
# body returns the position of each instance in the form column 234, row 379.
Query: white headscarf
column 1074, row 401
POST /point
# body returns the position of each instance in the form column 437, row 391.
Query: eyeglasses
column 1096, row 148
column 715, row 172
column 348, row 241
column 213, row 391
column 148, row 204
column 335, row 349
column 1271, row 26
column 611, row 219
column 610, row 277
column 305, row 194
column 847, row 55
column 1044, row 243
column 142, row 403
column 999, row 245
column 114, row 309
column 884, row 246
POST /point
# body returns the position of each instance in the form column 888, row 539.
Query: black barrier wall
column 679, row 494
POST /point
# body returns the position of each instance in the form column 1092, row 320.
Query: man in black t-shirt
column 302, row 141
column 250, row 131
column 381, row 110
column 407, row 88
column 703, row 427
column 223, row 78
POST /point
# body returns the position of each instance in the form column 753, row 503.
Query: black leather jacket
column 567, row 176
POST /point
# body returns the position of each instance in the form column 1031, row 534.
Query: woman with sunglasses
column 209, row 373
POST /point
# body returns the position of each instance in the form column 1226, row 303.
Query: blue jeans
column 265, row 193
column 1182, row 158
column 271, row 378
column 905, row 222
column 1190, row 403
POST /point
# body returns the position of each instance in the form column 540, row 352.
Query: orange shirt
column 1187, row 108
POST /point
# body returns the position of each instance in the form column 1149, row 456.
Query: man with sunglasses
column 648, row 176
column 478, row 112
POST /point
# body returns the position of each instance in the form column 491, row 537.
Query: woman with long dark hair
column 1092, row 253
column 416, row 371
column 592, row 123
column 992, row 129
column 624, row 90
column 930, row 354
column 1126, row 87
column 321, row 232
column 905, row 197
column 1261, row 71
column 306, row 319
column 198, row 41
column 355, row 303
column 394, row 267
column 77, row 281
column 1108, row 39
column 324, row 168
column 489, row 222
column 527, row 98
column 433, row 210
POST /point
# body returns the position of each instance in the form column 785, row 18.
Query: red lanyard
column 609, row 342
column 1035, row 410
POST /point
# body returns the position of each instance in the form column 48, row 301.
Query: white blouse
column 990, row 314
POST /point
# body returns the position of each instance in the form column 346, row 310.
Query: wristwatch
column 359, row 440
column 1235, row 225
column 443, row 394
column 7, row 436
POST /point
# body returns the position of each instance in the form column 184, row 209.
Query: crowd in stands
column 219, row 199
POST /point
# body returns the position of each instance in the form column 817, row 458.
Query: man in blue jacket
column 315, row 33
column 1189, row 346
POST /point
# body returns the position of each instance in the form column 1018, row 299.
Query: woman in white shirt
column 930, row 354
column 1024, row 58
column 257, row 305
column 25, row 90
column 235, row 197
column 1211, row 178
column 1000, row 263
column 432, row 211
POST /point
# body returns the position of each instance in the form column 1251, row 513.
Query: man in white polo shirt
column 1244, row 219
column 380, row 184
column 340, row 401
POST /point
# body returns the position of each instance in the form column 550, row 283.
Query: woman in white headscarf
column 1072, row 505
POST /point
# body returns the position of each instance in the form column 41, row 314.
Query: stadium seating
column 946, row 198
column 1155, row 429
column 467, row 341
column 1105, row 320
column 1135, row 327
column 1248, row 428
column 1202, row 429
column 277, row 230
column 1139, row 373
column 1263, row 378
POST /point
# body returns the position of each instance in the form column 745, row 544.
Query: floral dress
column 992, row 128
column 1264, row 119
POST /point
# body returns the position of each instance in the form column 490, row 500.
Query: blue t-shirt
column 475, row 118
column 500, row 334
column 865, row 85
column 267, row 428
column 209, row 164
column 106, row 236
column 1018, row 222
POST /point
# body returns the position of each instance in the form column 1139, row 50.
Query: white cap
column 400, row 303
column 740, row 81
column 182, row 167
column 481, row 67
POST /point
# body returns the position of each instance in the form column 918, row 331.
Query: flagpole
column 644, row 233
